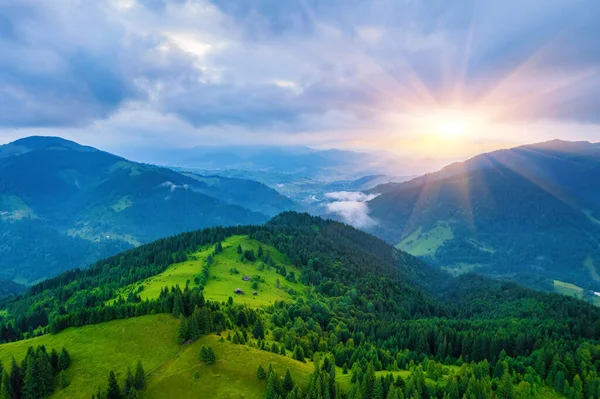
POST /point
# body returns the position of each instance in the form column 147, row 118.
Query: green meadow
column 99, row 348
column 222, row 283
column 420, row 243
column 568, row 289
column 232, row 376
column 172, row 370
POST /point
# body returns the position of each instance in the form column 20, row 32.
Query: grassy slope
column 568, row 289
column 97, row 349
column 421, row 243
column 222, row 283
column 233, row 375
column 115, row 345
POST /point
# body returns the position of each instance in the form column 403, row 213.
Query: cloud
column 353, row 196
column 172, row 186
column 351, row 207
column 190, row 71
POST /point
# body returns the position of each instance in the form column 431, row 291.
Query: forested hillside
column 528, row 214
column 343, row 313
column 9, row 288
column 63, row 205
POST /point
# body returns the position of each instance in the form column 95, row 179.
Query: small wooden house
column 255, row 293
column 238, row 291
column 246, row 278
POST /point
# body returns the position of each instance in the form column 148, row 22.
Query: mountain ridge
column 468, row 214
column 93, row 199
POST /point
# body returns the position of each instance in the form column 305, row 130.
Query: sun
column 451, row 124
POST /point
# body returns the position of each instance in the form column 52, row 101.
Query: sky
column 422, row 78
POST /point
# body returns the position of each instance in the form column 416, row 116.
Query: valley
column 64, row 205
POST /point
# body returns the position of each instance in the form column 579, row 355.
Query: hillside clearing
column 226, row 275
column 420, row 243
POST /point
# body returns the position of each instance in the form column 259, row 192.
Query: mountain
column 248, row 193
column 530, row 214
column 64, row 205
column 297, row 307
column 8, row 287
column 296, row 161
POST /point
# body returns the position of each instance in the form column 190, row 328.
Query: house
column 246, row 278
column 255, row 293
column 238, row 291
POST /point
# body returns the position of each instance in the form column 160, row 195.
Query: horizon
column 274, row 146
column 428, row 80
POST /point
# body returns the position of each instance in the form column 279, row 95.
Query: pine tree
column 54, row 360
column 378, row 389
column 203, row 354
column 299, row 353
column 7, row 391
column 452, row 389
column 559, row 382
column 260, row 251
column 294, row 394
column 182, row 331
column 139, row 379
column 32, row 388
column 207, row 355
column 506, row 389
column 271, row 387
column 15, row 380
column 260, row 373
column 129, row 383
column 64, row 359
column 369, row 381
column 178, row 308
column 288, row 382
column 113, row 391
column 211, row 356
column 239, row 249
column 392, row 393
column 577, row 387
column 193, row 328
column 63, row 380
column 258, row 331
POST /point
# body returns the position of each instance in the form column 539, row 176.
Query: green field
column 420, row 243
column 97, row 349
column 232, row 376
column 222, row 284
column 568, row 289
column 115, row 345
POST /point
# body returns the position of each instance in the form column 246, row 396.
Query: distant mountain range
column 530, row 213
column 63, row 205
column 296, row 162
column 8, row 287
